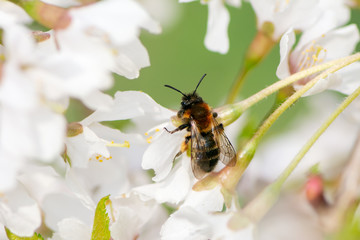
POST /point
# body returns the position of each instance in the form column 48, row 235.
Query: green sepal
column 12, row 236
column 101, row 221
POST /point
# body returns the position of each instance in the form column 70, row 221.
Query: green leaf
column 101, row 221
column 12, row 236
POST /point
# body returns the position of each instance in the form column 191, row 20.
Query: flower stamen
column 126, row 144
column 99, row 158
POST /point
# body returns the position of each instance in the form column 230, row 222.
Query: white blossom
column 217, row 38
column 188, row 223
column 319, row 50
column 316, row 16
column 110, row 28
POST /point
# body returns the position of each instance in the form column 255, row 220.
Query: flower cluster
column 87, row 180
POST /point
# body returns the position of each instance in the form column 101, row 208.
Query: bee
column 209, row 143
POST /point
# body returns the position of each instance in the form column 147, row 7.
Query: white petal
column 334, row 13
column 130, row 104
column 131, row 58
column 216, row 38
column 82, row 147
column 131, row 216
column 350, row 82
column 161, row 153
column 19, row 212
column 173, row 189
column 72, row 228
column 37, row 134
column 346, row 37
column 286, row 43
column 60, row 206
column 97, row 100
column 234, row 3
column 9, row 165
column 205, row 201
column 187, row 224
column 298, row 14
column 120, row 20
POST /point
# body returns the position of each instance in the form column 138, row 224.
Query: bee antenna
column 199, row 83
column 175, row 90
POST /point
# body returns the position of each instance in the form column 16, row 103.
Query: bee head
column 191, row 98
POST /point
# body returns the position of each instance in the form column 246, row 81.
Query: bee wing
column 227, row 151
column 197, row 146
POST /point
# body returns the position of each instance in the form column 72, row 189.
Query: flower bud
column 74, row 129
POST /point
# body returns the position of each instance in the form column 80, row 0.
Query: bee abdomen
column 208, row 158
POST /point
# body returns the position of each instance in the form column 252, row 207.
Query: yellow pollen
column 157, row 130
column 110, row 157
column 314, row 57
column 146, row 134
column 100, row 160
column 126, row 144
column 149, row 139
column 97, row 157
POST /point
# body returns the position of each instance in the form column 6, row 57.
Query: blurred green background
column 179, row 58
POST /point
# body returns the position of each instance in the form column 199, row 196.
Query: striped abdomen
column 207, row 153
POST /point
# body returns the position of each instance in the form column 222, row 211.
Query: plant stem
column 259, row 206
column 230, row 176
column 282, row 178
column 257, row 51
column 229, row 113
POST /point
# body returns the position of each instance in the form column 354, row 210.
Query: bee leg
column 219, row 127
column 184, row 146
column 181, row 127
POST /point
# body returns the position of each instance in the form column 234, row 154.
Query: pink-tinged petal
column 286, row 43
column 216, row 38
column 173, row 189
column 161, row 153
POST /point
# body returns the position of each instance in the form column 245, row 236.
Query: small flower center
column 312, row 55
column 99, row 158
